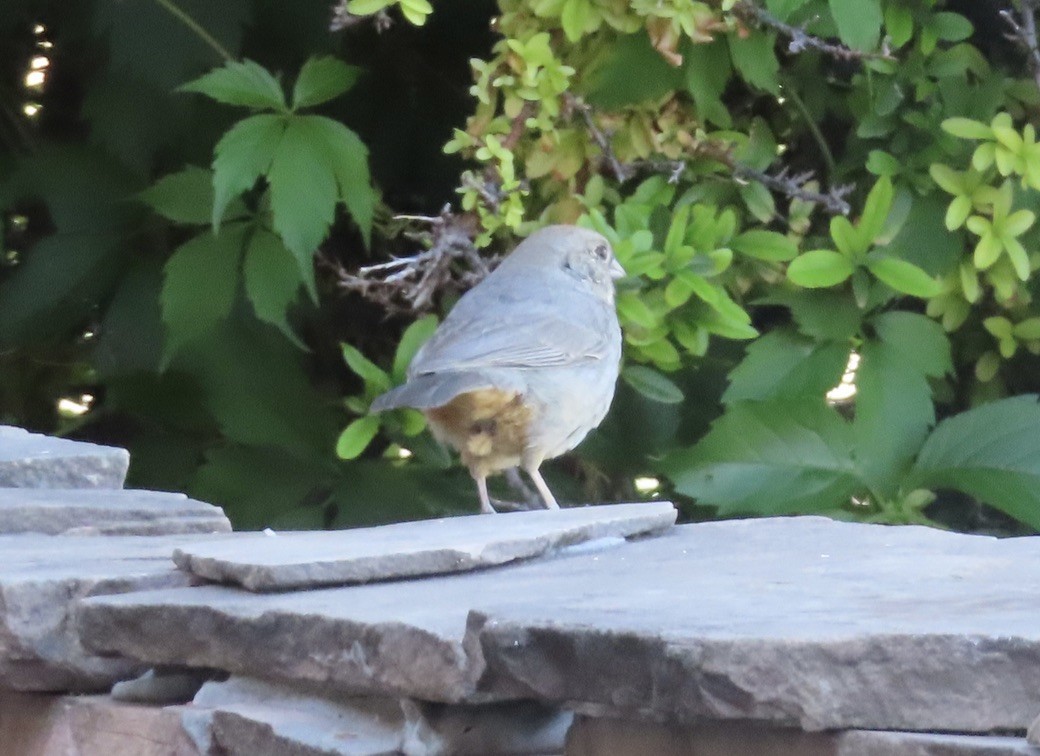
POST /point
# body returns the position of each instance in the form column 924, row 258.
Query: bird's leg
column 485, row 500
column 543, row 489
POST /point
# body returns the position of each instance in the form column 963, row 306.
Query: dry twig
column 1023, row 31
column 344, row 19
column 411, row 284
column 800, row 39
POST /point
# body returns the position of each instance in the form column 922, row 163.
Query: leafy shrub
column 803, row 192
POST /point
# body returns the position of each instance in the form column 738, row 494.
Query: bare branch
column 1023, row 31
column 344, row 19
column 800, row 39
column 411, row 284
column 621, row 172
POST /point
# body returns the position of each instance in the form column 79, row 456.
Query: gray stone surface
column 612, row 737
column 31, row 460
column 91, row 511
column 41, row 578
column 253, row 718
column 790, row 621
column 263, row 562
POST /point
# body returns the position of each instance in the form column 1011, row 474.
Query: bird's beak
column 616, row 271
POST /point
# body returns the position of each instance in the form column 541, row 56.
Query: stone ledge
column 106, row 512
column 31, row 460
column 800, row 622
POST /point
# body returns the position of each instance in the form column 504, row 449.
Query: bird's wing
column 508, row 331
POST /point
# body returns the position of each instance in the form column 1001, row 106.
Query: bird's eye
column 601, row 251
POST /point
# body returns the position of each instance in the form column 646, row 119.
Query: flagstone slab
column 31, row 460
column 91, row 511
column 271, row 562
column 41, row 579
column 800, row 622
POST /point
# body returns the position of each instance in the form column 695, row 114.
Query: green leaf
column 303, row 193
column 416, row 11
column 783, row 9
column 242, row 155
column 242, row 83
column 375, row 378
column 184, row 197
column 347, row 157
column 950, row 27
column 819, row 268
column 991, row 452
column 574, row 17
column 707, row 70
column 858, row 21
column 754, row 58
column 904, row 277
column 786, row 365
column 846, row 238
column 824, row 314
column 765, row 245
column 876, row 209
column 199, row 286
column 632, row 72
column 367, row 7
column 769, row 458
column 322, row 79
column 881, row 163
column 356, row 437
column 634, row 310
column 759, row 201
column 414, row 336
column 272, row 281
column 920, row 341
column 893, row 414
column 966, row 128
column 652, row 384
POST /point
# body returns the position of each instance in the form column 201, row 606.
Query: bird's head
column 578, row 252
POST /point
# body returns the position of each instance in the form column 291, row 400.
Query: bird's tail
column 432, row 390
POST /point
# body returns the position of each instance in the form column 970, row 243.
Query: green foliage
column 187, row 299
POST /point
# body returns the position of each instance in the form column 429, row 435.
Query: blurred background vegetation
column 227, row 226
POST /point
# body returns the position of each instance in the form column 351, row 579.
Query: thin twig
column 1024, row 32
column 621, row 172
column 195, row 27
column 411, row 284
column 342, row 19
column 800, row 39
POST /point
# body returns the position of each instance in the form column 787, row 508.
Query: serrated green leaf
column 819, row 268
column 858, row 22
column 322, row 79
column 272, row 281
column 303, row 193
column 199, row 285
column 652, row 384
column 184, row 197
column 375, row 378
column 241, row 156
column 991, row 452
column 707, row 70
column 893, row 414
column 243, row 83
column 356, row 437
column 920, row 342
column 765, row 245
column 347, row 157
column 754, row 58
column 414, row 336
column 904, row 277
column 786, row 365
column 825, row 315
column 769, row 458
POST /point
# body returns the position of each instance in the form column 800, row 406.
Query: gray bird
column 525, row 364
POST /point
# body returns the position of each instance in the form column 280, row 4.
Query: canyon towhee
column 525, row 364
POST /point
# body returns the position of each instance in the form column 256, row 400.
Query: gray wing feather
column 497, row 328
